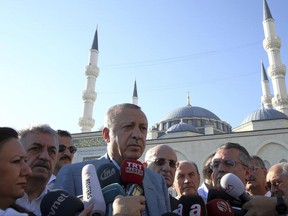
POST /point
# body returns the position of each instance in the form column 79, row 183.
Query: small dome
column 182, row 127
column 264, row 114
column 189, row 112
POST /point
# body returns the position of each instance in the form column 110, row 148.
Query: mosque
column 195, row 132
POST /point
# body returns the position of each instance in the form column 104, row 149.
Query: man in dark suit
column 125, row 130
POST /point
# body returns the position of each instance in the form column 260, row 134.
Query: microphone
column 220, row 194
column 233, row 186
column 132, row 175
column 219, row 207
column 59, row 203
column 92, row 192
column 190, row 205
column 109, row 193
column 109, row 178
column 108, row 174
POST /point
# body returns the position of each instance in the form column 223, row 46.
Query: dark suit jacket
column 157, row 202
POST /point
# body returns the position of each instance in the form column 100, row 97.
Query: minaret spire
column 266, row 95
column 89, row 95
column 276, row 70
column 188, row 99
column 135, row 95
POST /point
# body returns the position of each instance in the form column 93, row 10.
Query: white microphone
column 92, row 192
column 233, row 186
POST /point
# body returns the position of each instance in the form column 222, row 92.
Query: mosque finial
column 188, row 99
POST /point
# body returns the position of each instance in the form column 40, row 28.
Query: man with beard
column 162, row 159
column 230, row 158
column 65, row 154
column 277, row 179
column 41, row 143
column 256, row 184
column 124, row 131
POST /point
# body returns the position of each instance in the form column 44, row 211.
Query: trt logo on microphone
column 134, row 168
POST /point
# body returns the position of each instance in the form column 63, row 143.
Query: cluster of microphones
column 225, row 202
column 100, row 188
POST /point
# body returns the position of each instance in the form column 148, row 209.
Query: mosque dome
column 188, row 112
column 264, row 114
column 182, row 127
column 192, row 119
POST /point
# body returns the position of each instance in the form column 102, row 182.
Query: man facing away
column 41, row 143
column 162, row 159
column 125, row 130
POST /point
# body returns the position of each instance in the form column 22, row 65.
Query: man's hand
column 261, row 206
column 128, row 205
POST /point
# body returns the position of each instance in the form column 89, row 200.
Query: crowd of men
column 125, row 130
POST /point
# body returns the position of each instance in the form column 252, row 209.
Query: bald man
column 162, row 159
column 277, row 179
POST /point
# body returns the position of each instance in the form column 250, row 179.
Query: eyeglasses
column 162, row 161
column 228, row 163
column 72, row 149
column 275, row 184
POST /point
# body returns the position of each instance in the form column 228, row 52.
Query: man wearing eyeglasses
column 230, row 158
column 66, row 150
column 256, row 184
column 162, row 159
column 277, row 179
column 65, row 154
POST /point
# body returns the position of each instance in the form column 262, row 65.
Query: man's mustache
column 42, row 163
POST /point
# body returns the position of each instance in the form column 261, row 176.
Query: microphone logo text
column 57, row 203
column 107, row 173
column 88, row 188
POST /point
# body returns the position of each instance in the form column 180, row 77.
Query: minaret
column 188, row 99
column 276, row 70
column 266, row 95
column 89, row 95
column 135, row 95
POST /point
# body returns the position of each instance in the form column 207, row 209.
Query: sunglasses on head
column 162, row 162
column 72, row 149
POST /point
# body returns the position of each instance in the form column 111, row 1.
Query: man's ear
column 105, row 134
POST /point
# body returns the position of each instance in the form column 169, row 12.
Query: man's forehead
column 227, row 153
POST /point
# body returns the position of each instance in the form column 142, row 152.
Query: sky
column 209, row 49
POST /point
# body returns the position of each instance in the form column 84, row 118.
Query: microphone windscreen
column 59, row 203
column 132, row 172
column 219, row 207
column 111, row 191
column 234, row 187
column 92, row 192
column 192, row 206
column 108, row 174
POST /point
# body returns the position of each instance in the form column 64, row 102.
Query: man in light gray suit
column 125, row 130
